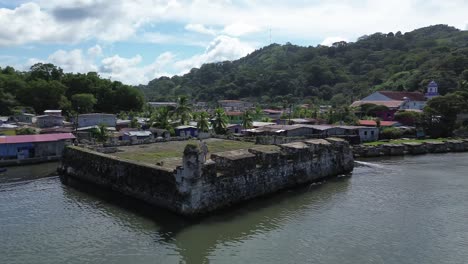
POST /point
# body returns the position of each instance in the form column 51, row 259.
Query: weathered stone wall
column 250, row 173
column 411, row 148
column 230, row 177
column 153, row 184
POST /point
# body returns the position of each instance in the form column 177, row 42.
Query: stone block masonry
column 229, row 177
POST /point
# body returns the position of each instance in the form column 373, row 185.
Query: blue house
column 184, row 131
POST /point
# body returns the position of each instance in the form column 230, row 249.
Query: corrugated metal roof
column 35, row 138
column 139, row 133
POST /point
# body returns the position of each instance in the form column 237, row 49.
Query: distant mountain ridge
column 339, row 74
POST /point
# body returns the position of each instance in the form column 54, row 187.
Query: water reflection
column 235, row 224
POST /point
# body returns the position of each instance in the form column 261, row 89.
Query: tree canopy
column 338, row 74
column 45, row 86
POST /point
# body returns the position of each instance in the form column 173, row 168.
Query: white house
column 95, row 119
column 46, row 121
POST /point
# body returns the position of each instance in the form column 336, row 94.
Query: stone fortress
column 198, row 187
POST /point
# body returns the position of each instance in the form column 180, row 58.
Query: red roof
column 373, row 123
column 400, row 96
column 35, row 138
column 234, row 113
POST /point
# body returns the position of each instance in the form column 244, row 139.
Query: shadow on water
column 196, row 238
column 29, row 172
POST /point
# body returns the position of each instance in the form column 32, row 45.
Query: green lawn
column 171, row 152
column 400, row 141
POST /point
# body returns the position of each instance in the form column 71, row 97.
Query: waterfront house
column 281, row 130
column 184, row 131
column 365, row 134
column 96, row 119
column 47, row 121
column 33, row 146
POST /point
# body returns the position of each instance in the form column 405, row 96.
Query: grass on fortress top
column 170, row 153
column 401, row 141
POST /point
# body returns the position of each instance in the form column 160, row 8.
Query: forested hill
column 340, row 73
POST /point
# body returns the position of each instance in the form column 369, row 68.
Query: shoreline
column 410, row 148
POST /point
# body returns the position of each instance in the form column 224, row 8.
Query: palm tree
column 247, row 120
column 100, row 133
column 220, row 121
column 160, row 118
column 202, row 122
column 183, row 110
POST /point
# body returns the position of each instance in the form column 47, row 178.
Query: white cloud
column 70, row 61
column 330, row 40
column 222, row 48
column 199, row 28
column 132, row 71
column 95, row 51
column 105, row 20
column 239, row 29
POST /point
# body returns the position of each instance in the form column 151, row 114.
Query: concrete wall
column 230, row 177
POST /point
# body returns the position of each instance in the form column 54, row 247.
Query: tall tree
column 247, row 120
column 183, row 110
column 83, row 103
column 220, row 121
column 203, row 123
column 160, row 118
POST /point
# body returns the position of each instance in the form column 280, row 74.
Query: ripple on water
column 405, row 210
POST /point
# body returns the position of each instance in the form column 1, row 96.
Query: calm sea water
column 402, row 210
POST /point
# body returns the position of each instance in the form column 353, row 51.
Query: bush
column 390, row 133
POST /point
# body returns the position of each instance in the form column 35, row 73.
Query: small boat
column 2, row 170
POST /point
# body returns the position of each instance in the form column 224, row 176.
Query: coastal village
column 231, row 119
column 179, row 131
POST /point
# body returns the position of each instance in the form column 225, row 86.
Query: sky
column 135, row 41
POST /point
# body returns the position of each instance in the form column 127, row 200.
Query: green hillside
column 337, row 74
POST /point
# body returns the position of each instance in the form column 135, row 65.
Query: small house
column 34, row 146
column 96, row 119
column 185, row 131
column 137, row 135
column 365, row 134
column 46, row 121
column 160, row 133
column 234, row 128
column 24, row 118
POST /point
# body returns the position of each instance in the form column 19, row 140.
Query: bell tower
column 432, row 90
